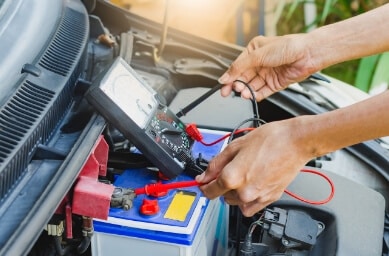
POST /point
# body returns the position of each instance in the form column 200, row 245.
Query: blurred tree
column 367, row 73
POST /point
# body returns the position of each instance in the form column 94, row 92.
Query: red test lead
column 161, row 189
column 158, row 189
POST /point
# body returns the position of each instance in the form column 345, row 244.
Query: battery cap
column 149, row 207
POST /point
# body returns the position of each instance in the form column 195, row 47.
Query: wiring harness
column 292, row 229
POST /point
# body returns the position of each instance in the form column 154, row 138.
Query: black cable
column 200, row 99
column 127, row 160
column 238, row 230
column 241, row 123
column 196, row 102
column 83, row 246
column 253, row 101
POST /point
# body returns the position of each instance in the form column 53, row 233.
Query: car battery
column 183, row 222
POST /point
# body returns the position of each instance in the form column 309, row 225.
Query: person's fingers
column 222, row 174
column 250, row 201
column 263, row 93
column 271, row 83
column 251, row 208
column 245, row 77
column 213, row 189
column 256, row 84
column 245, row 65
column 265, row 52
column 217, row 164
column 231, row 198
column 229, row 179
column 226, row 90
column 238, row 86
column 241, row 64
column 248, row 208
column 259, row 41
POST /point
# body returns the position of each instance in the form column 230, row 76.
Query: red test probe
column 159, row 189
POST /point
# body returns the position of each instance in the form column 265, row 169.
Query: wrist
column 317, row 135
column 336, row 129
column 306, row 135
column 322, row 49
column 324, row 133
column 308, row 46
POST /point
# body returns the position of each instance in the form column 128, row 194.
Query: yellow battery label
column 180, row 205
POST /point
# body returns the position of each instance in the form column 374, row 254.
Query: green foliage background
column 364, row 73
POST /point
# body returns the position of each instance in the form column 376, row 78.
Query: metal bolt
column 117, row 192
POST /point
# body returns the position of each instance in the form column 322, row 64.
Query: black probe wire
column 257, row 120
column 196, row 102
column 203, row 97
column 253, row 101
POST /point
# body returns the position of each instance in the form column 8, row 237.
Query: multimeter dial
column 169, row 133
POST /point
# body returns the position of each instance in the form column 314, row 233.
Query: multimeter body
column 126, row 101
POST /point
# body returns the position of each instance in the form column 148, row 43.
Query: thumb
column 206, row 177
column 212, row 172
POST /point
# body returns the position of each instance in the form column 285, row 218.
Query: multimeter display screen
column 133, row 97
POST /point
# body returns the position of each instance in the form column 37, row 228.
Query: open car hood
column 49, row 131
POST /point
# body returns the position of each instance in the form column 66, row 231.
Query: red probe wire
column 226, row 136
column 155, row 189
column 315, row 202
column 194, row 133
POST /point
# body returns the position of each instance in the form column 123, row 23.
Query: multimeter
column 127, row 102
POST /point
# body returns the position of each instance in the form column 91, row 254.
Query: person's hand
column 268, row 65
column 254, row 170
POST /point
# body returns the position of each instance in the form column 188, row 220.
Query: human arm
column 254, row 170
column 269, row 64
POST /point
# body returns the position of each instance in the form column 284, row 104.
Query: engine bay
column 181, row 68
